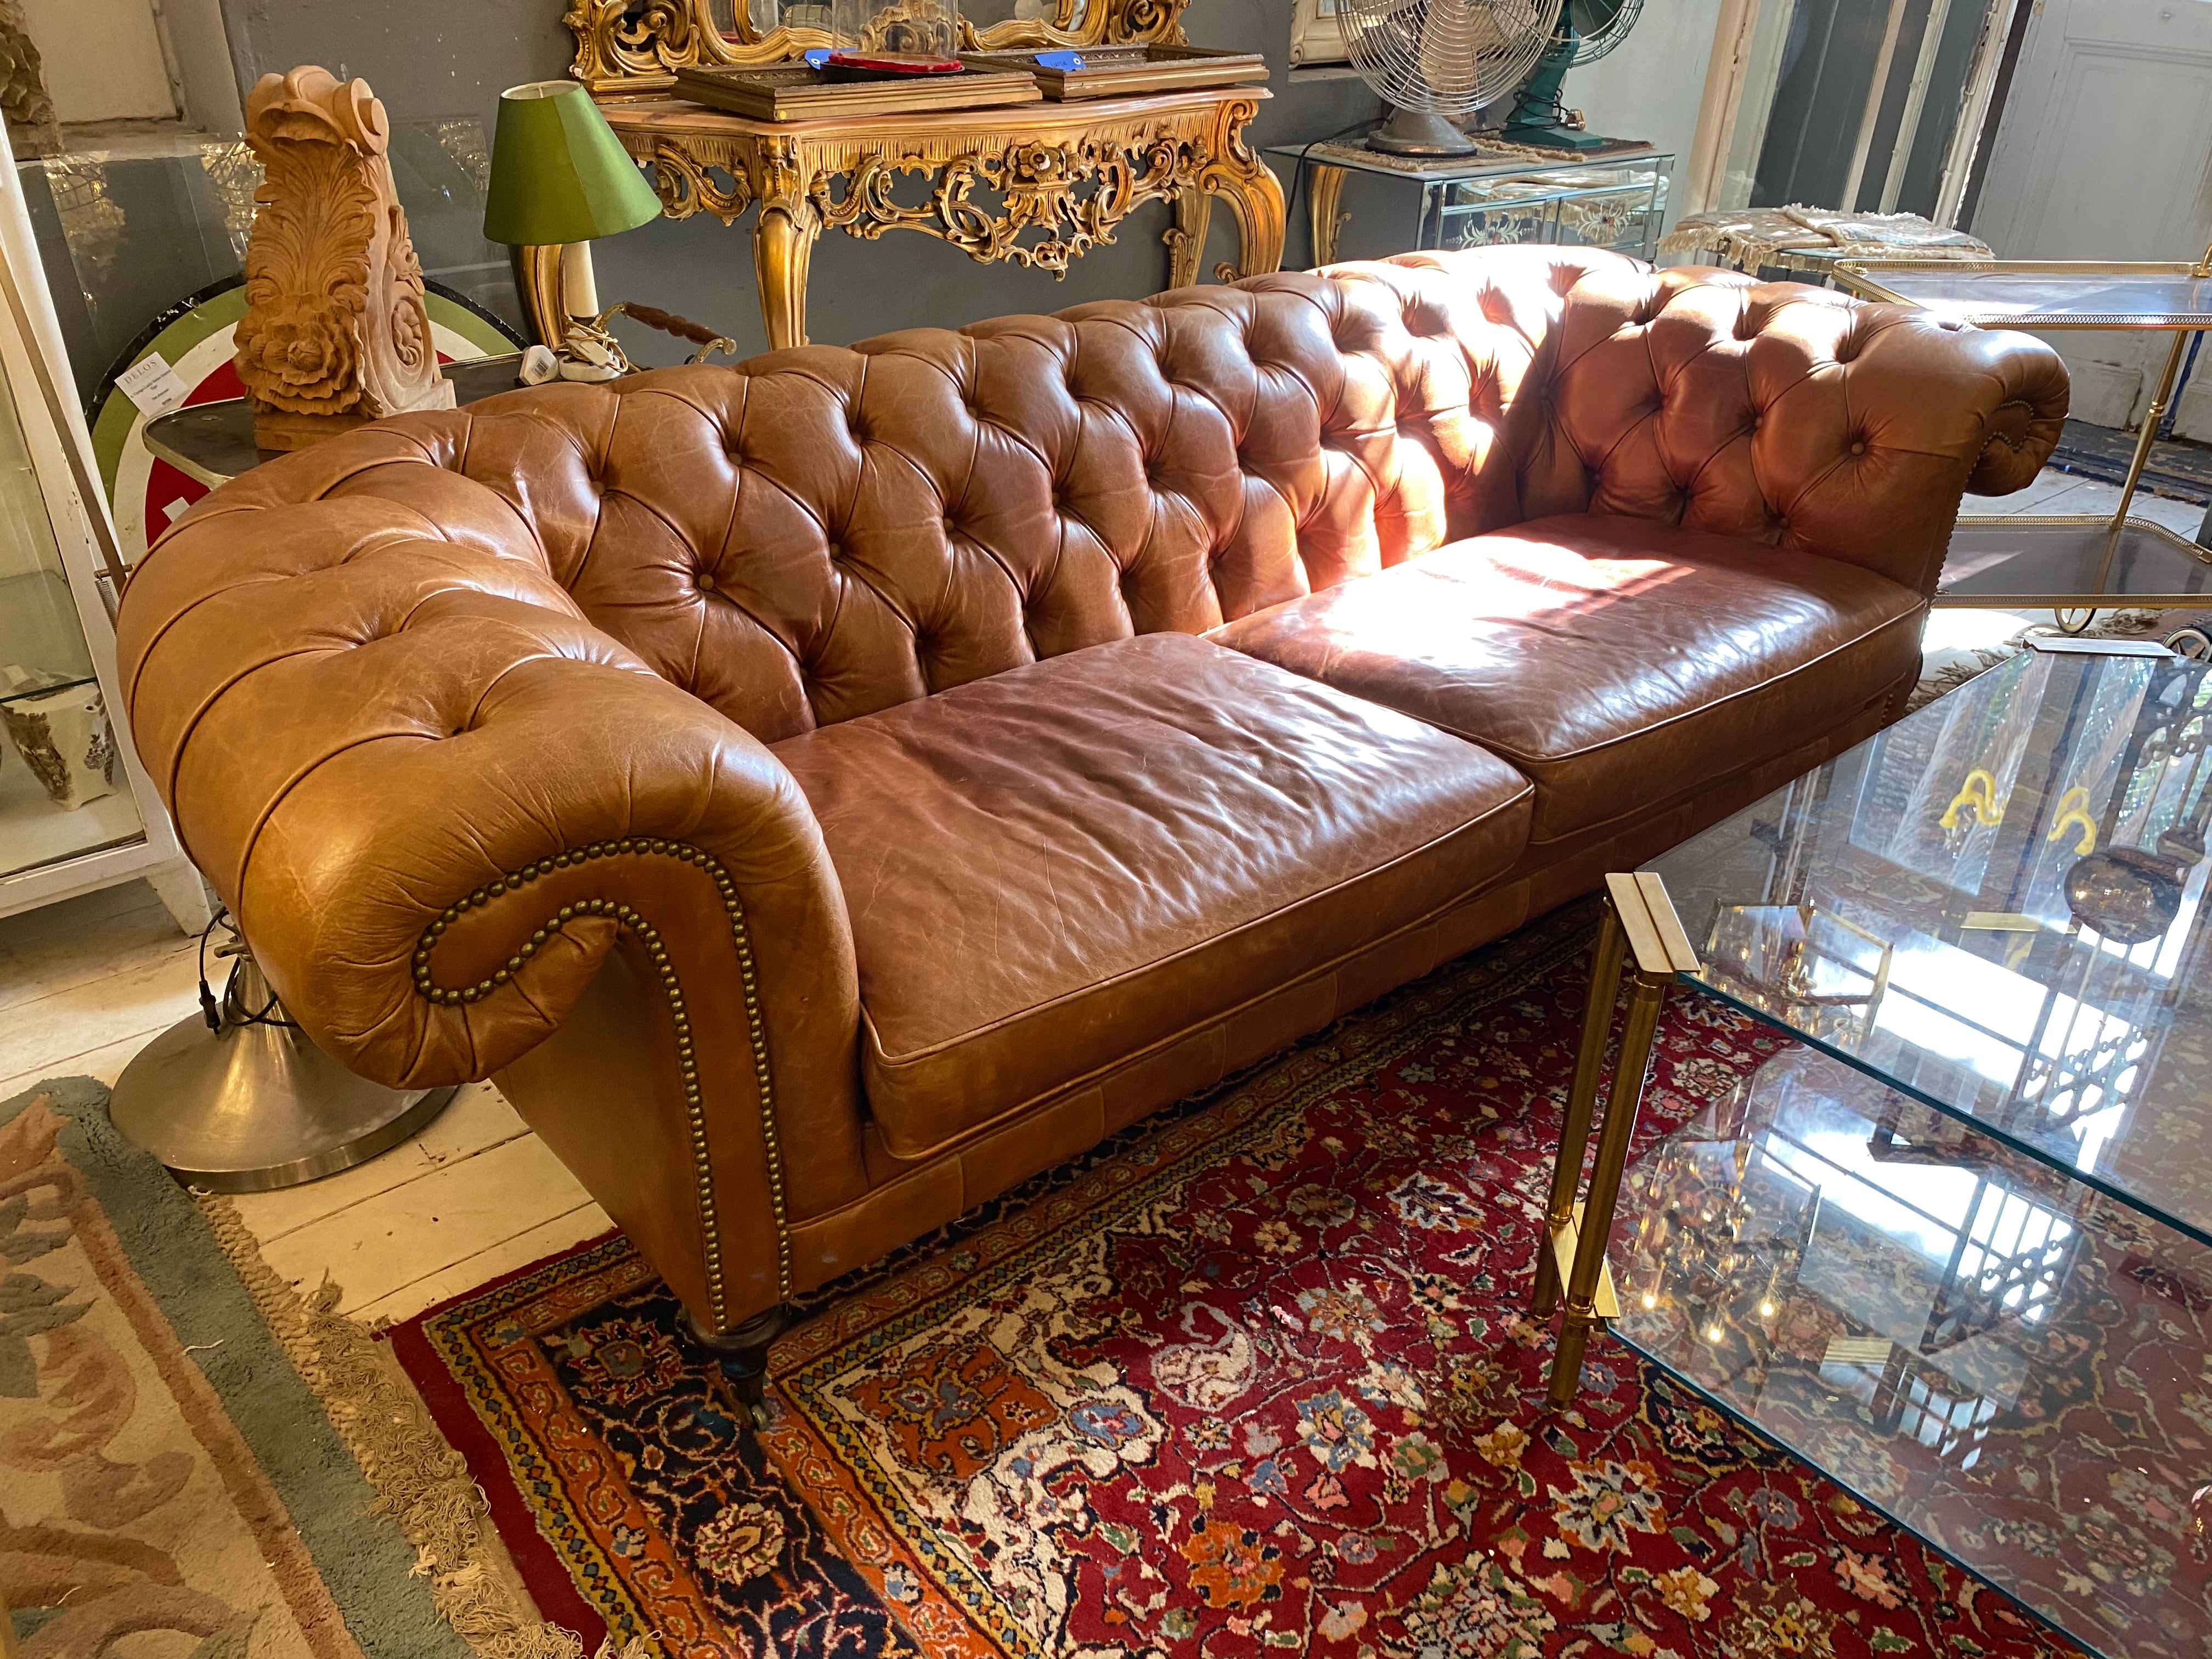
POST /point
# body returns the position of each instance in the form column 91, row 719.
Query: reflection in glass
column 906, row 29
column 1945, row 859
column 1953, row 1331
column 1821, row 972
column 62, row 788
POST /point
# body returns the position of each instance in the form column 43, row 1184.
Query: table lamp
column 560, row 178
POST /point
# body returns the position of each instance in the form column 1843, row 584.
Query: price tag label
column 152, row 384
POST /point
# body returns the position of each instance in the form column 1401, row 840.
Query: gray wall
column 432, row 59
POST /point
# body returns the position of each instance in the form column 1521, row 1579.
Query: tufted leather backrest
column 821, row 533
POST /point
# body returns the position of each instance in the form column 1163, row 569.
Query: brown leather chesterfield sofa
column 826, row 792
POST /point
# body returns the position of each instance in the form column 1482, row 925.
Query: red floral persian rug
column 1255, row 1377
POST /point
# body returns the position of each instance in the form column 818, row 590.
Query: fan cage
column 1446, row 57
column 1609, row 23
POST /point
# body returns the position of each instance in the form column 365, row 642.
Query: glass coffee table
column 1953, row 1246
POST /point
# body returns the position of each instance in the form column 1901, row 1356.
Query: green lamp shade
column 558, row 173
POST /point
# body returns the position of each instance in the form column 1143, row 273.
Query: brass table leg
column 1639, row 924
column 2152, row 416
column 1582, row 1100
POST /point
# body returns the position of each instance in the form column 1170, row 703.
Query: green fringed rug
column 193, row 1462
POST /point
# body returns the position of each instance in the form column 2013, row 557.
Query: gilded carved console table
column 1037, row 185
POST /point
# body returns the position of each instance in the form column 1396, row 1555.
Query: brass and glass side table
column 2075, row 564
column 1932, row 1209
column 1064, row 176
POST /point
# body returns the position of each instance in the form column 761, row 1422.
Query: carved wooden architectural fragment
column 335, row 332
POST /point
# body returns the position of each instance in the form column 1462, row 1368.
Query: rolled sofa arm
column 2029, row 414
column 1774, row 412
column 440, row 803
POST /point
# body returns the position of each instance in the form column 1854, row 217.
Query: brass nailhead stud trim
column 657, row 951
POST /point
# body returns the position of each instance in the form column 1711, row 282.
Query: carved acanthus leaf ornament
column 335, row 325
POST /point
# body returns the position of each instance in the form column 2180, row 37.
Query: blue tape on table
column 816, row 56
column 1063, row 61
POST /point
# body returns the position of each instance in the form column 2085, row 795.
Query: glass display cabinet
column 76, row 809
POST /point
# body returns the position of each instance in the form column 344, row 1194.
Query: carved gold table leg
column 1186, row 237
column 1640, row 927
column 1256, row 197
column 783, row 248
column 1325, row 189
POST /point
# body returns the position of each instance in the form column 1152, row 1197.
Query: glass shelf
column 2030, row 293
column 63, row 791
column 1954, row 938
column 2045, row 561
column 42, row 647
column 1951, row 1331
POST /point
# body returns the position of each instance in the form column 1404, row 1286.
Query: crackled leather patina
column 827, row 791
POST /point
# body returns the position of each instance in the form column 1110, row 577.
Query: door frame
column 1734, row 82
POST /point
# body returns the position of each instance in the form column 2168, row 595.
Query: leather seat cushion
column 1060, row 866
column 1619, row 662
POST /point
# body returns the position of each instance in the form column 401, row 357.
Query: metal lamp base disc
column 258, row 1107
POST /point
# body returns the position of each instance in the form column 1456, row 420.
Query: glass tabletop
column 2016, row 294
column 1356, row 157
column 1996, row 906
column 2041, row 561
column 2003, row 1361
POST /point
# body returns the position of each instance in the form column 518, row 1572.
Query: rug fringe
column 420, row 1480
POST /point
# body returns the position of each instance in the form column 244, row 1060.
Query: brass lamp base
column 255, row 1105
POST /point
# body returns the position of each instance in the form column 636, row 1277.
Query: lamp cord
column 212, row 1009
column 1298, row 173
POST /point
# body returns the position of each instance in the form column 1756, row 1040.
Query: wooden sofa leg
column 742, row 1353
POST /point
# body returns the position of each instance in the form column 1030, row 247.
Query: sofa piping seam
column 1521, row 760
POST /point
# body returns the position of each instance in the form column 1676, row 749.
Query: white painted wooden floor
column 86, row 983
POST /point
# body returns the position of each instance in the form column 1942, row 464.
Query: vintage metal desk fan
column 1434, row 60
column 1586, row 31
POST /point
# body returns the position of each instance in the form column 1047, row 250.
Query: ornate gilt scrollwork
column 621, row 46
column 1036, row 187
column 1074, row 188
column 690, row 181
column 1074, row 192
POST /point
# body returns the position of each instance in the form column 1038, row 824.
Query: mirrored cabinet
column 76, row 809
